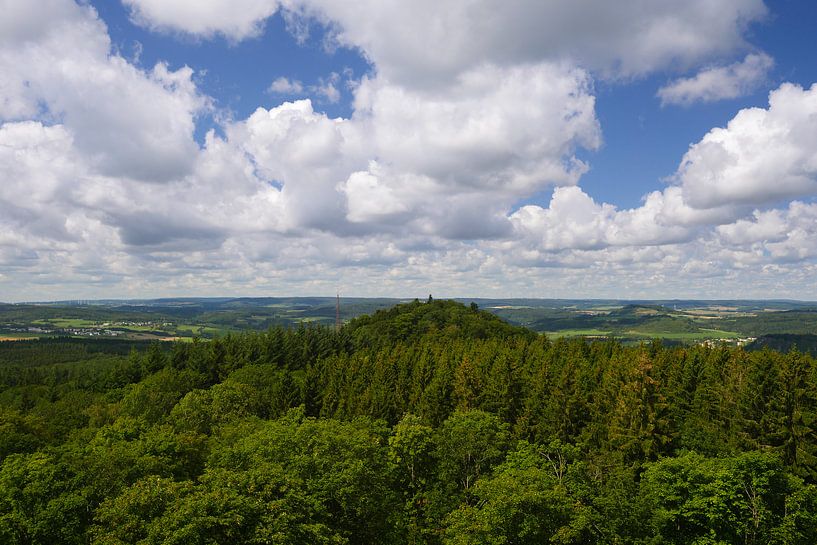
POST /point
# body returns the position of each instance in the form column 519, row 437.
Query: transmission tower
column 337, row 313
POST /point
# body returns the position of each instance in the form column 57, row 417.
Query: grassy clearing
column 701, row 335
column 199, row 329
column 67, row 322
column 202, row 331
column 578, row 333
column 140, row 328
column 636, row 335
column 18, row 337
column 184, row 339
column 313, row 319
column 720, row 334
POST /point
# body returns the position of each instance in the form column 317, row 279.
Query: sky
column 561, row 149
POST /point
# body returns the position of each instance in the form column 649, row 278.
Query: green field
column 701, row 335
column 578, row 333
column 66, row 322
column 18, row 336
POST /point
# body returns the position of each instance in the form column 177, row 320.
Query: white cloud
column 36, row 162
column 572, row 221
column 235, row 19
column 782, row 236
column 449, row 158
column 510, row 128
column 712, row 84
column 307, row 153
column 127, row 122
column 424, row 42
column 412, row 193
column 368, row 199
column 760, row 157
column 327, row 88
column 286, row 86
column 768, row 226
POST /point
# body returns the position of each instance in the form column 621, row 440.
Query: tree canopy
column 431, row 422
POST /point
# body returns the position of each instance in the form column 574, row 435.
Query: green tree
column 520, row 503
column 468, row 444
column 693, row 499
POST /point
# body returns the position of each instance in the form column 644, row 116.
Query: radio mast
column 337, row 313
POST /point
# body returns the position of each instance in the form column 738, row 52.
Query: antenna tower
column 337, row 313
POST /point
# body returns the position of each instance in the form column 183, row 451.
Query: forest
column 429, row 422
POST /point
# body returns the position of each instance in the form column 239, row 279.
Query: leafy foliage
column 432, row 422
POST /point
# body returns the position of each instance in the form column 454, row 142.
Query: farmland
column 735, row 322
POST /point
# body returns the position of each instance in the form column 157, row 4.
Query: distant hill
column 784, row 342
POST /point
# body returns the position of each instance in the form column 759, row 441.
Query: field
column 578, row 333
column 20, row 337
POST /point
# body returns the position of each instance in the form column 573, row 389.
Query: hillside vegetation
column 431, row 422
column 631, row 322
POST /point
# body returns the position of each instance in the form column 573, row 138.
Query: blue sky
column 560, row 149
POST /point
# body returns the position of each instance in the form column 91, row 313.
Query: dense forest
column 430, row 422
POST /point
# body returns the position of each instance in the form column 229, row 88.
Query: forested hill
column 432, row 422
column 785, row 342
column 438, row 319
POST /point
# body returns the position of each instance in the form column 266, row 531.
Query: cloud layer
column 421, row 189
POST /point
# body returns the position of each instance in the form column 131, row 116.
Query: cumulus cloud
column 97, row 156
column 719, row 83
column 574, row 221
column 424, row 41
column 36, row 162
column 510, row 127
column 326, row 90
column 307, row 153
column 471, row 151
column 766, row 226
column 235, row 19
column 785, row 235
column 418, row 189
column 760, row 157
column 368, row 200
column 126, row 121
column 286, row 86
